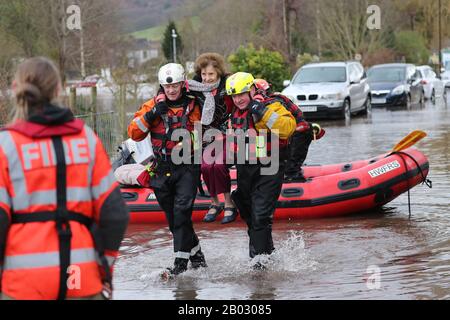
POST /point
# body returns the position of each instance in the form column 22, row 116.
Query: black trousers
column 176, row 195
column 298, row 150
column 256, row 197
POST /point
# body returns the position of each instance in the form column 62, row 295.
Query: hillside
column 157, row 33
column 143, row 15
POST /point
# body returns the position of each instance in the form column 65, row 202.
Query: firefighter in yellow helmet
column 257, row 193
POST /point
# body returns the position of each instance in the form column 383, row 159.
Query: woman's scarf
column 210, row 105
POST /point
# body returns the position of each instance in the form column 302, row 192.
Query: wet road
column 337, row 258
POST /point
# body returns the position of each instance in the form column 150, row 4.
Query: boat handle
column 349, row 184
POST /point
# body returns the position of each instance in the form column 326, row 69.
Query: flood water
column 337, row 258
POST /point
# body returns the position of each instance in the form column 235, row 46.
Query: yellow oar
column 409, row 140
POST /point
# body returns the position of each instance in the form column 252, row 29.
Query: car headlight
column 332, row 96
column 398, row 90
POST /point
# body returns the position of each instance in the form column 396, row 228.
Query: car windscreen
column 320, row 74
column 388, row 74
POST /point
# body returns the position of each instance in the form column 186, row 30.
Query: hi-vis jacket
column 302, row 124
column 179, row 116
column 62, row 217
column 276, row 118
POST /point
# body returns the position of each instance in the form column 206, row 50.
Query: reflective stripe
column 195, row 250
column 16, row 173
column 46, row 260
column 4, row 197
column 104, row 185
column 273, row 117
column 23, row 199
column 92, row 143
column 74, row 194
column 141, row 125
column 183, row 255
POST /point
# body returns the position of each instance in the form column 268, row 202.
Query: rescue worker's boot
column 179, row 266
column 198, row 260
column 259, row 267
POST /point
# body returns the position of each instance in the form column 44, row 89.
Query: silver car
column 330, row 90
column 445, row 76
column 432, row 86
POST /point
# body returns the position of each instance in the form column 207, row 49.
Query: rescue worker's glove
column 257, row 109
column 160, row 97
column 158, row 110
column 318, row 132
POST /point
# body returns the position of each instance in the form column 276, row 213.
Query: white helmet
column 171, row 73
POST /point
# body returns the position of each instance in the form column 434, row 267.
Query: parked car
column 330, row 90
column 432, row 86
column 445, row 76
column 395, row 84
column 89, row 81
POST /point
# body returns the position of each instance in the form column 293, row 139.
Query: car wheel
column 346, row 112
column 433, row 97
column 408, row 102
column 422, row 100
column 367, row 106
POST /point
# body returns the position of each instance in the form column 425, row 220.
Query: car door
column 437, row 83
column 355, row 87
column 413, row 79
column 363, row 87
column 418, row 86
column 423, row 76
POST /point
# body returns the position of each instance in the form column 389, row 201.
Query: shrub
column 261, row 63
column 412, row 46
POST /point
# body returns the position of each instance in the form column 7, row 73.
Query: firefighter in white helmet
column 172, row 109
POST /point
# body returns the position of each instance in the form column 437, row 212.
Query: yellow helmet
column 239, row 82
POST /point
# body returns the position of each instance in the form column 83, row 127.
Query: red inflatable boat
column 330, row 190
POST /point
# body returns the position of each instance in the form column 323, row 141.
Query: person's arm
column 140, row 126
column 274, row 117
column 110, row 211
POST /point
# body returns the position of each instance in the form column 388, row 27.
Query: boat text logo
column 384, row 169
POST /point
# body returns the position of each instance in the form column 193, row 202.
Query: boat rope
column 426, row 181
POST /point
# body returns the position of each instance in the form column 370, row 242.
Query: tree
column 39, row 28
column 191, row 46
column 412, row 46
column 343, row 26
column 19, row 22
column 278, row 30
column 261, row 63
column 227, row 24
column 9, row 51
column 167, row 43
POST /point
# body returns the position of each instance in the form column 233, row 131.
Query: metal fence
column 107, row 126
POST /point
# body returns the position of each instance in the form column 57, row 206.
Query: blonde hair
column 36, row 83
column 213, row 59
